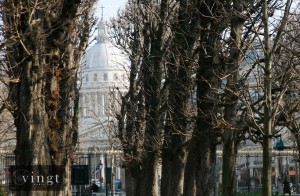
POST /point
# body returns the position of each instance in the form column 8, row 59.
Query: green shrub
column 252, row 194
column 3, row 191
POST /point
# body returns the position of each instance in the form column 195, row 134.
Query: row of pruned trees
column 189, row 92
column 186, row 93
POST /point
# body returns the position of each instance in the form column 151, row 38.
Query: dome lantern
column 102, row 35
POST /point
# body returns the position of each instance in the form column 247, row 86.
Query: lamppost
column 89, row 165
column 106, row 174
column 100, row 169
column 279, row 176
column 237, row 175
column 248, row 172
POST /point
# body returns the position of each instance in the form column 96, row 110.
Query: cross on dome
column 101, row 12
column 102, row 33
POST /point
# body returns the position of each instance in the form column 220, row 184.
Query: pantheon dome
column 103, row 55
column 103, row 81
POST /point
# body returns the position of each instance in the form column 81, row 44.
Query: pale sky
column 110, row 8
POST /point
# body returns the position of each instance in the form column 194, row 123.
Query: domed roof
column 103, row 54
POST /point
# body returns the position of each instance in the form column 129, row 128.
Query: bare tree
column 200, row 175
column 267, row 82
column 271, row 104
column 291, row 50
column 180, row 106
column 287, row 54
column 234, row 103
column 44, row 42
column 230, row 134
column 244, row 20
column 196, row 49
column 7, row 130
column 142, row 31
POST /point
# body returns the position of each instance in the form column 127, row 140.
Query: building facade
column 103, row 81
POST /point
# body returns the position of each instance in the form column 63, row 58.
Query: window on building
column 84, row 109
column 99, row 102
column 105, row 77
column 93, row 104
column 95, row 77
column 81, row 107
column 116, row 77
column 87, row 78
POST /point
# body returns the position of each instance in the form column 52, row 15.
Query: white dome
column 103, row 55
column 103, row 78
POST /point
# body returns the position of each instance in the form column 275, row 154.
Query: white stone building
column 103, row 79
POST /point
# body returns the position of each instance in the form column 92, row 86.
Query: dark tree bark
column 179, row 117
column 230, row 137
column 141, row 119
column 45, row 41
column 204, row 139
column 202, row 153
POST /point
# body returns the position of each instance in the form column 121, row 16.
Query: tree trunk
column 43, row 64
column 144, row 128
column 189, row 188
column 206, row 180
column 130, row 178
column 180, row 107
column 268, row 109
column 229, row 168
column 230, row 134
column 204, row 138
column 147, row 184
column 202, row 160
column 267, row 165
column 203, row 142
column 178, row 125
column 173, row 164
